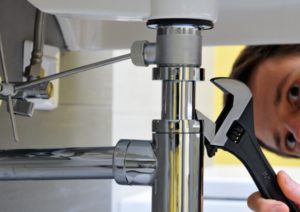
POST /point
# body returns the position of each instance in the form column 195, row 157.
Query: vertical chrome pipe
column 179, row 150
column 177, row 137
column 178, row 187
column 178, row 102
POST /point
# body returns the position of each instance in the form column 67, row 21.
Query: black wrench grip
column 250, row 154
column 246, row 148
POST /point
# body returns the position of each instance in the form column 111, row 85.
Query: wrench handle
column 243, row 144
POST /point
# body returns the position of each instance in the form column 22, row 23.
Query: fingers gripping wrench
column 234, row 132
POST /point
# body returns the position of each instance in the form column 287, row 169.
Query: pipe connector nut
column 143, row 53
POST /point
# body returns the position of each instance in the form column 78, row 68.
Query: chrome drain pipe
column 130, row 162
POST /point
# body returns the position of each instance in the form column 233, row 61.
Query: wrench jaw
column 209, row 130
column 239, row 98
column 233, row 87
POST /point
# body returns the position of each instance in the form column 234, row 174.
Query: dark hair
column 250, row 58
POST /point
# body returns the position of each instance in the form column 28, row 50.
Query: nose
column 293, row 126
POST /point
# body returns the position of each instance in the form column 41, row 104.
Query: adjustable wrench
column 234, row 132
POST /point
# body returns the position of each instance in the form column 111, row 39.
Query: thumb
column 289, row 187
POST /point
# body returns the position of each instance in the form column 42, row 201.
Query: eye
column 294, row 93
column 290, row 142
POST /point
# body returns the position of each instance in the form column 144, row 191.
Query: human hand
column 290, row 188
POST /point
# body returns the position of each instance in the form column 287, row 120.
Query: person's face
column 276, row 102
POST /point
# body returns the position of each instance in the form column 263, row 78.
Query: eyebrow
column 279, row 88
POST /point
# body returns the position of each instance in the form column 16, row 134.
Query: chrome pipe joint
column 134, row 162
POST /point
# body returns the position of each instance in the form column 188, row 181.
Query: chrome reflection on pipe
column 178, row 187
column 56, row 164
column 131, row 162
column 178, row 102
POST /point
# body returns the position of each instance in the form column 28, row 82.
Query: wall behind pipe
column 83, row 99
column 60, row 128
column 83, row 118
